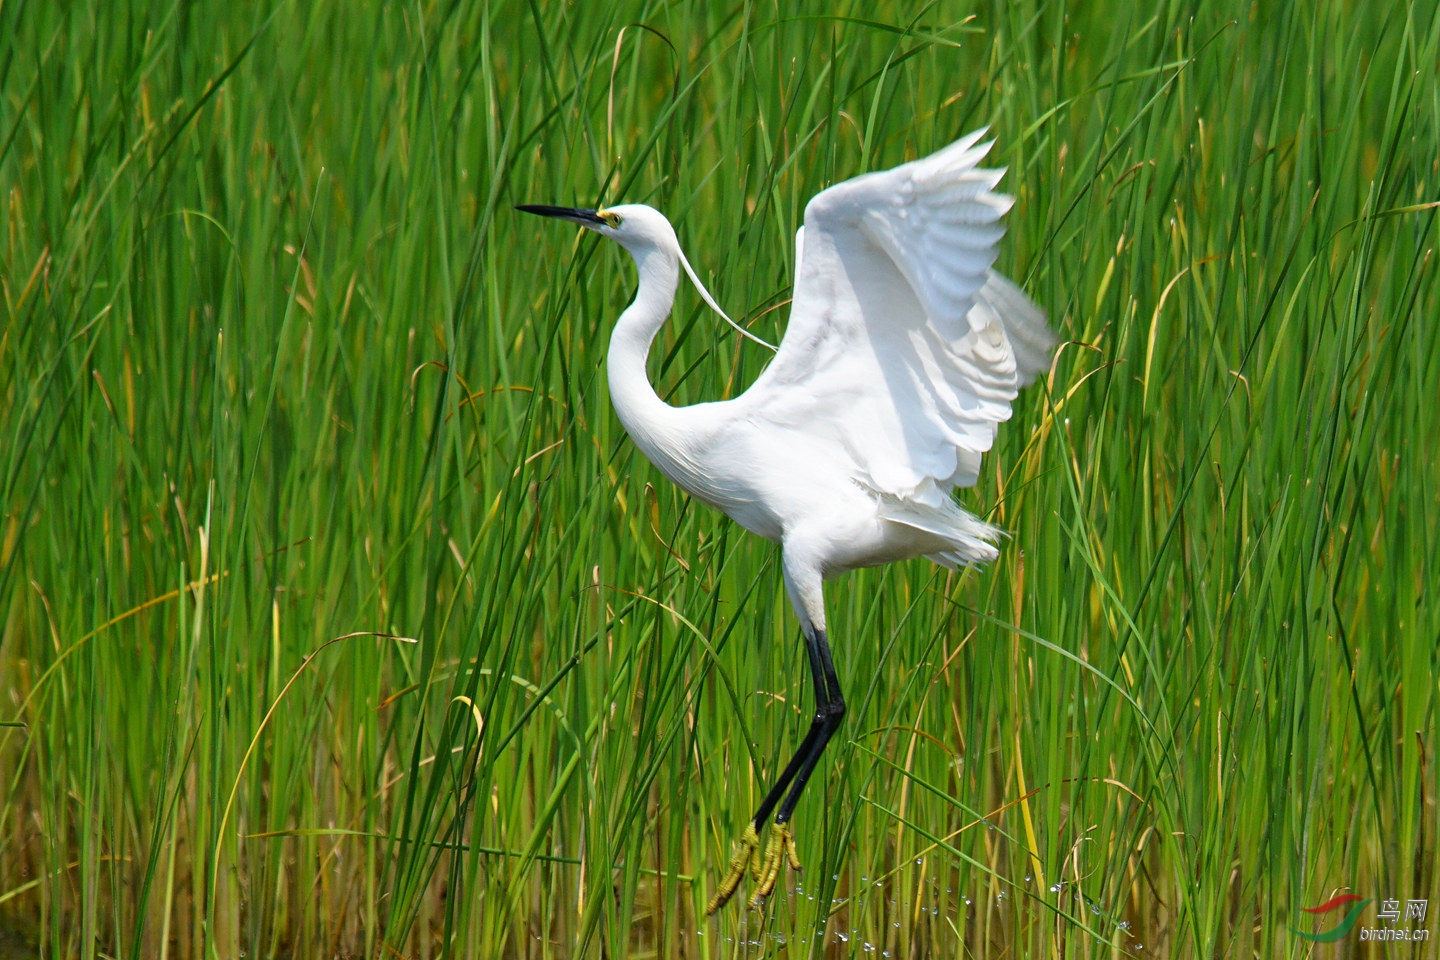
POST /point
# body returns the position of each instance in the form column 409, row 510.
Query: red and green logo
column 1341, row 928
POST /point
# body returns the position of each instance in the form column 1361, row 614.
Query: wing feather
column 903, row 343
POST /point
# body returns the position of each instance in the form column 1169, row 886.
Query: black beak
column 586, row 218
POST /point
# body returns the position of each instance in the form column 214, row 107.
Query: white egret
column 903, row 352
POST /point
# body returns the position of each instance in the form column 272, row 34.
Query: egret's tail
column 961, row 538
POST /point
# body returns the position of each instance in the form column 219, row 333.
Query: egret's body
column 903, row 352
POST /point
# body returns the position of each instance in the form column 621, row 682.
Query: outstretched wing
column 903, row 345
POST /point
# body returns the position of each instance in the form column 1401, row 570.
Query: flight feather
column 900, row 331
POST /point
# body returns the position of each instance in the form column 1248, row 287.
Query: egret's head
column 640, row 230
column 632, row 225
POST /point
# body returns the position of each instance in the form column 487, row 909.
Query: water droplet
column 843, row 937
column 1055, row 888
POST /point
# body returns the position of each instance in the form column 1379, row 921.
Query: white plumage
column 903, row 352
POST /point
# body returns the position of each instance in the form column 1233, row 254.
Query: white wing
column 903, row 345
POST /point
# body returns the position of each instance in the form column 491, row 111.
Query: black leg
column 820, row 669
column 829, row 711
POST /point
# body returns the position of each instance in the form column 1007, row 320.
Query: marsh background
column 284, row 379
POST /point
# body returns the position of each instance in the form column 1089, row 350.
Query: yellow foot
column 745, row 851
column 765, row 869
column 781, row 846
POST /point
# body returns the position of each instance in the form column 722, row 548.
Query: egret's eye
column 612, row 220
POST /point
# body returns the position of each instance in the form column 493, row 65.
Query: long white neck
column 640, row 409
